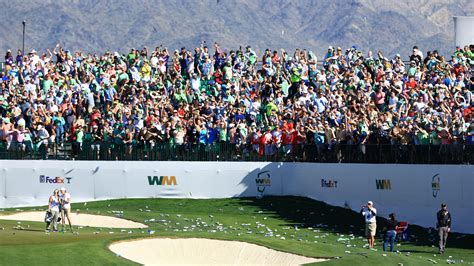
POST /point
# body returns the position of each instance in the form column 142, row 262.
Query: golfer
column 444, row 226
column 369, row 213
column 53, row 208
column 65, row 199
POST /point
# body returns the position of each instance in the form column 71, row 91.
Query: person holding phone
column 369, row 213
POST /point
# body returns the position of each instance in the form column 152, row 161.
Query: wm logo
column 263, row 179
column 383, row 184
column 162, row 180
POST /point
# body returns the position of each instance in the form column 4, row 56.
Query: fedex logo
column 54, row 180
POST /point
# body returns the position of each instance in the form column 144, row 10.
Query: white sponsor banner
column 413, row 192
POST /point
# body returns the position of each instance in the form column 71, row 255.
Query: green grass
column 310, row 228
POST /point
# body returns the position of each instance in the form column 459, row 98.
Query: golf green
column 291, row 224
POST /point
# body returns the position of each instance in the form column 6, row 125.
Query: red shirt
column 287, row 137
column 411, row 84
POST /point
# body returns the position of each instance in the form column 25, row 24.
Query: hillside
column 92, row 25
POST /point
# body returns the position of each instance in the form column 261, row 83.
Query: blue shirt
column 203, row 136
column 213, row 135
column 321, row 104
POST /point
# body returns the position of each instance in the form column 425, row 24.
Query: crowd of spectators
column 274, row 101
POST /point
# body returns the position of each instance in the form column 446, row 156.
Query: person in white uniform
column 53, row 208
column 65, row 199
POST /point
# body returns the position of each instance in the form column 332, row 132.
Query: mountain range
column 98, row 25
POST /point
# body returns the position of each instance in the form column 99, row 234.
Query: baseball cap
column 63, row 189
column 370, row 203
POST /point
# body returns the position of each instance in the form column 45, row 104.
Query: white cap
column 63, row 189
column 370, row 203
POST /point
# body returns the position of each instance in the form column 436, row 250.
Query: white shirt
column 66, row 198
column 54, row 204
column 368, row 215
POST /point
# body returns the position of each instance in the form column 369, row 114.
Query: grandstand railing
column 337, row 153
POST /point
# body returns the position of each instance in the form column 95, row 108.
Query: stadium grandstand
column 214, row 104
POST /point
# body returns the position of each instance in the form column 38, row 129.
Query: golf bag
column 48, row 218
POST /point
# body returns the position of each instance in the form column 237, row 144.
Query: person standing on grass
column 390, row 232
column 369, row 213
column 65, row 199
column 53, row 208
column 444, row 226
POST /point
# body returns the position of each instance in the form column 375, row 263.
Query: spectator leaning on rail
column 184, row 98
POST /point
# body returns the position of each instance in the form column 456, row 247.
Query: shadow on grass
column 29, row 230
column 305, row 212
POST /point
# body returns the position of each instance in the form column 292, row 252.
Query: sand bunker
column 194, row 251
column 78, row 219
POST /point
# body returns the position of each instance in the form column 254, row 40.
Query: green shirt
column 424, row 138
column 80, row 136
column 271, row 106
column 47, row 84
column 284, row 87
